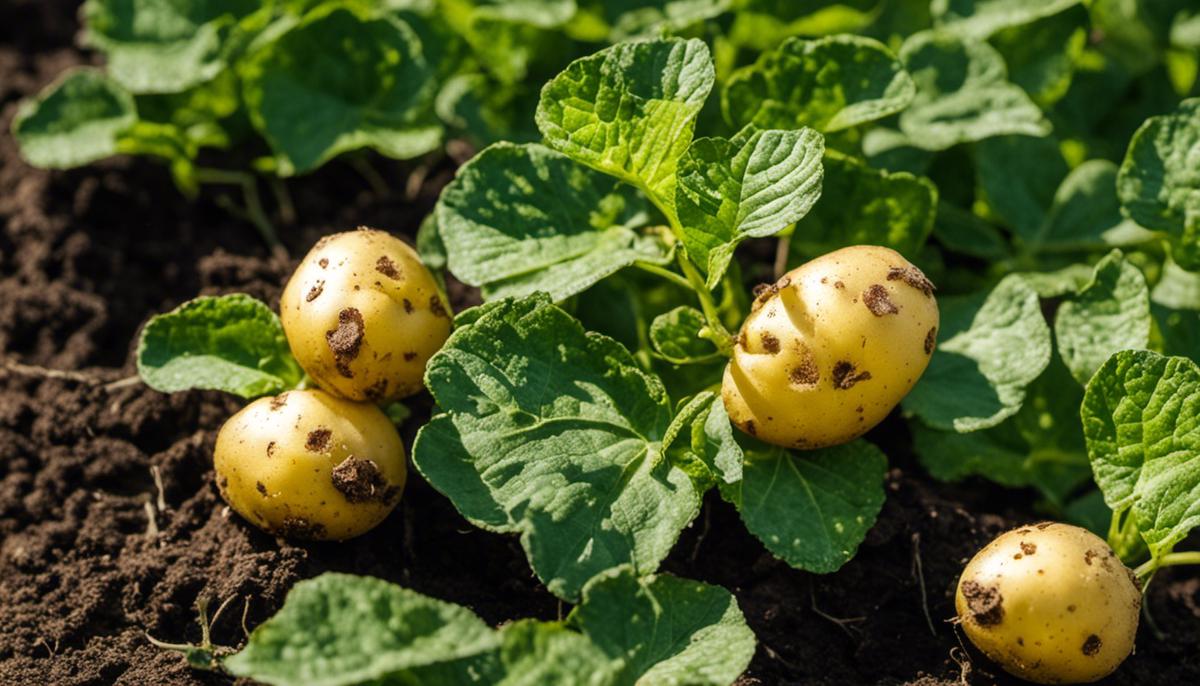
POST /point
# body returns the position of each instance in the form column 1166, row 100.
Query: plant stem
column 664, row 273
column 253, row 211
column 716, row 331
column 283, row 198
column 1169, row 560
column 370, row 175
column 782, row 249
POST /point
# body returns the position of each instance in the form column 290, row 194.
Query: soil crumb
column 384, row 265
column 318, row 440
column 913, row 277
column 346, row 340
column 878, row 301
column 360, row 480
column 845, row 375
column 984, row 602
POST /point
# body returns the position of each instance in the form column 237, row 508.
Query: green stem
column 1169, row 560
column 253, row 211
column 373, row 178
column 283, row 198
column 716, row 331
column 664, row 273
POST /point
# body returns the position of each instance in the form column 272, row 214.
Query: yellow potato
column 363, row 315
column 305, row 464
column 1050, row 603
column 830, row 348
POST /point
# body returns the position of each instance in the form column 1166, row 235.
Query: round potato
column 308, row 465
column 1050, row 603
column 363, row 315
column 830, row 348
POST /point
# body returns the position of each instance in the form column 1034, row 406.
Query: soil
column 111, row 528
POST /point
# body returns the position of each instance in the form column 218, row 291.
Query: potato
column 308, row 465
column 363, row 315
column 1050, row 603
column 830, row 348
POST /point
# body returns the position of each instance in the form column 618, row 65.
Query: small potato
column 1050, row 603
column 830, row 348
column 308, row 465
column 363, row 315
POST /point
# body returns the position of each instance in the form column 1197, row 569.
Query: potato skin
column 1050, row 603
column 363, row 315
column 308, row 465
column 829, row 349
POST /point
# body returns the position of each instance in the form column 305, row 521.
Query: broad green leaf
column 486, row 111
column 1060, row 282
column 165, row 46
column 714, row 444
column 336, row 81
column 963, row 94
column 990, row 347
column 626, row 19
column 523, row 218
column 1178, row 331
column 343, row 630
column 762, row 24
column 1159, row 180
column 865, row 206
column 1109, row 314
column 230, row 343
column 675, row 335
column 554, row 433
column 828, row 84
column 429, row 243
column 511, row 39
column 665, row 630
column 965, row 232
column 752, row 186
column 1086, row 214
column 536, row 653
column 1141, row 418
column 1041, row 56
column 982, row 18
column 813, row 508
column 74, row 121
column 629, row 110
column 1177, row 288
column 1018, row 175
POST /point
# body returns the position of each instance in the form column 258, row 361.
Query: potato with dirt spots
column 363, row 315
column 309, row 465
column 828, row 350
column 1050, row 603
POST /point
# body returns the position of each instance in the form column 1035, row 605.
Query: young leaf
column 675, row 336
column 523, row 218
column 230, row 343
column 165, row 46
column 343, row 630
column 982, row 18
column 534, row 653
column 554, row 433
column 752, row 186
column 1018, row 175
column 1042, row 55
column 990, row 347
column 963, row 94
column 74, row 121
column 337, row 81
column 811, row 509
column 828, row 84
column 1086, row 214
column 1177, row 288
column 1109, row 314
column 629, row 110
column 665, row 630
column 1141, row 418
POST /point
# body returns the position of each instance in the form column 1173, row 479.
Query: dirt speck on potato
column 913, row 277
column 930, row 340
column 984, row 602
column 806, row 373
column 436, row 307
column 410, row 356
column 271, row 449
column 878, row 301
column 346, row 339
column 764, row 292
column 377, row 391
column 1089, row 556
column 359, row 480
column 385, row 266
column 279, row 401
column 845, row 375
column 323, row 262
column 408, row 306
column 1028, row 548
column 318, row 440
column 300, row 528
column 262, row 490
column 314, row 292
column 1092, row 645
column 770, row 343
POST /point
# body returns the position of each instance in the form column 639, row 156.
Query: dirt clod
column 1028, row 548
column 984, row 603
column 845, row 375
column 913, row 277
column 770, row 343
column 359, row 480
column 299, row 528
column 346, row 340
column 878, row 301
column 1092, row 645
column 930, row 340
column 384, row 265
column 315, row 291
column 318, row 440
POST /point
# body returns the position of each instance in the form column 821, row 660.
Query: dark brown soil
column 110, row 523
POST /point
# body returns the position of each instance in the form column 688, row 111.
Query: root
column 843, row 623
column 204, row 655
column 35, row 371
column 703, row 533
column 919, row 573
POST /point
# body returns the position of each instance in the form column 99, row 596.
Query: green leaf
column 342, row 630
column 1018, row 175
column 554, row 433
column 230, row 343
column 649, row 18
column 1109, row 314
column 1086, row 214
column 165, row 46
column 966, row 232
column 963, row 94
column 1177, row 288
column 676, row 336
column 536, row 653
column 502, row 235
column 1041, row 56
column 629, row 110
column 1159, row 180
column 74, row 121
column 990, row 347
column 865, row 206
column 1141, row 418
column 336, row 81
column 811, row 509
column 665, row 630
column 982, row 18
column 753, row 186
column 828, row 84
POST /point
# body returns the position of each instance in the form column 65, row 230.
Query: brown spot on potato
column 984, row 602
column 408, row 308
column 1091, row 646
column 279, row 401
column 318, row 440
column 346, row 340
column 1070, row 608
column 764, row 292
column 262, row 490
column 377, row 391
column 878, row 301
column 410, row 356
column 913, row 277
column 750, row 428
column 436, row 306
column 1089, row 556
column 271, row 449
column 1043, row 526
column 839, row 285
column 323, row 262
column 315, row 291
column 1018, row 556
column 385, row 266
column 359, row 481
column 300, row 528
column 770, row 343
column 806, row 373
column 845, row 375
column 1028, row 548
column 930, row 340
